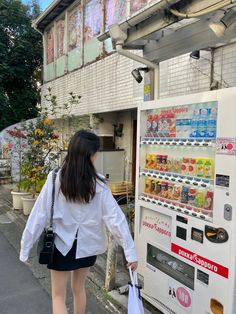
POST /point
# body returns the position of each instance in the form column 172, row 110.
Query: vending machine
column 185, row 221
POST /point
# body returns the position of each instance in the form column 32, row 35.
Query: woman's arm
column 116, row 222
column 36, row 221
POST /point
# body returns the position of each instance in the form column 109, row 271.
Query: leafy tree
column 20, row 62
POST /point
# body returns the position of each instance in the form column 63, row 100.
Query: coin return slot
column 217, row 307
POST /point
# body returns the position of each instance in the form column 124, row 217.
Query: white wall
column 106, row 85
column 184, row 75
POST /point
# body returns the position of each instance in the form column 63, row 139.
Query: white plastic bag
column 135, row 304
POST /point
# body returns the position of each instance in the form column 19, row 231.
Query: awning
column 163, row 35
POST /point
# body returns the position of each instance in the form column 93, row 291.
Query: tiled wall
column 106, row 85
column 184, row 75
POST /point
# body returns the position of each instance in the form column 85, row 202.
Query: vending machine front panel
column 185, row 226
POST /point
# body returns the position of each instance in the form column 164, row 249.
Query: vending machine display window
column 171, row 266
column 177, row 158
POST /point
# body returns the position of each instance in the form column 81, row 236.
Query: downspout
column 119, row 37
column 153, row 66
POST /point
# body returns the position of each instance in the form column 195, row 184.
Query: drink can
column 148, row 185
column 191, row 196
column 158, row 188
column 184, row 194
column 200, row 198
column 164, row 189
column 170, row 191
column 148, row 161
column 209, row 200
column 192, row 167
column 153, row 187
column 176, row 192
column 164, row 163
column 159, row 162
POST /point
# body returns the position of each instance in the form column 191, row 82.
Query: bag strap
column 134, row 281
column 54, row 176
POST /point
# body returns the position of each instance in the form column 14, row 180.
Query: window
column 92, row 19
column 50, row 45
column 74, row 29
column 115, row 12
column 60, row 38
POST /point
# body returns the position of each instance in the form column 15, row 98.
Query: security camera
column 137, row 75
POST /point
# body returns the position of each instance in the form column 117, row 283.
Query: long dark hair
column 78, row 175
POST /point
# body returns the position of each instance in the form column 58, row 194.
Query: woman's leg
column 59, row 281
column 78, row 278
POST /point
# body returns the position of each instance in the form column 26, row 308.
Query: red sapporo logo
column 201, row 261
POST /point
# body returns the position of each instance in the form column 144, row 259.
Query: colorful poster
column 115, row 12
column 136, row 5
column 226, row 145
column 60, row 38
column 74, row 29
column 92, row 19
column 50, row 46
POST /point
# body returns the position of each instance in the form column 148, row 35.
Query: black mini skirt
column 69, row 261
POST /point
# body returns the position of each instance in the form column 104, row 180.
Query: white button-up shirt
column 88, row 221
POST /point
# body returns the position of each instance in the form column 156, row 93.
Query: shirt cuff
column 23, row 256
column 131, row 255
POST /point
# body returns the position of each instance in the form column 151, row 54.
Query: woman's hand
column 27, row 263
column 133, row 265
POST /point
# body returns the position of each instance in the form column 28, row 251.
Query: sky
column 43, row 3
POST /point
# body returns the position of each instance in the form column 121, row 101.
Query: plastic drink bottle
column 149, row 125
column 202, row 122
column 211, row 123
column 194, row 123
column 200, row 167
column 186, row 125
column 208, row 169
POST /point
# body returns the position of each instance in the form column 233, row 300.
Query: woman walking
column 84, row 207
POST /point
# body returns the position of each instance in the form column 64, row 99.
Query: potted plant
column 16, row 147
column 40, row 157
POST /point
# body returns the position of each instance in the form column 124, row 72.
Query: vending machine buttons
column 182, row 219
column 216, row 235
column 181, row 233
column 227, row 212
column 197, row 235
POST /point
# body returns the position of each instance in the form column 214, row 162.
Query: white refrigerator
column 111, row 164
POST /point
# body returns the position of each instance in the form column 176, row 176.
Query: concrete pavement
column 23, row 289
column 20, row 291
column 98, row 300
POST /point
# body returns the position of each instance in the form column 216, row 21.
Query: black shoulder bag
column 46, row 241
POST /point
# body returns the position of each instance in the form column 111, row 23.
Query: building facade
column 76, row 61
